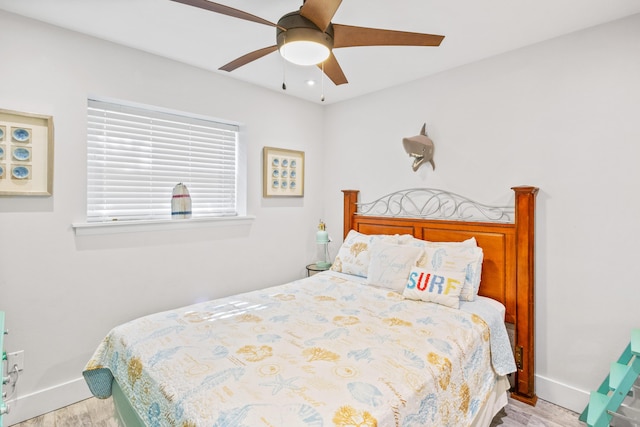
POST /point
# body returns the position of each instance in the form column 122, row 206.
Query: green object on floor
column 615, row 387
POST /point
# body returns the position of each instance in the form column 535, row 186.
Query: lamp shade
column 322, row 235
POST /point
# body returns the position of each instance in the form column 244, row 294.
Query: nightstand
column 313, row 269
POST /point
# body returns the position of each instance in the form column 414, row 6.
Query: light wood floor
column 99, row 413
column 517, row 414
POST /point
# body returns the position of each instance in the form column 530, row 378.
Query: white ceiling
column 474, row 29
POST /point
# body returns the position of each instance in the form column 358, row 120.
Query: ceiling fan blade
column 249, row 57
column 333, row 70
column 349, row 36
column 320, row 12
column 225, row 10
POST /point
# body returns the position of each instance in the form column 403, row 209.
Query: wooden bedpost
column 524, row 389
column 350, row 208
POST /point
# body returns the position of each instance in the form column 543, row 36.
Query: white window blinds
column 135, row 157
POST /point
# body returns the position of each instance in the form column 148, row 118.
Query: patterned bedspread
column 322, row 351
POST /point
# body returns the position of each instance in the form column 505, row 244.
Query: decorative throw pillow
column 353, row 255
column 390, row 264
column 442, row 287
column 464, row 258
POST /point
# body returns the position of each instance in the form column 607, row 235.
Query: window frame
column 119, row 226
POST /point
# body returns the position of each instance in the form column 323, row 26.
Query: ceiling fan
column 307, row 36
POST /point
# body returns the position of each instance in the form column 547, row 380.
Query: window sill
column 94, row 228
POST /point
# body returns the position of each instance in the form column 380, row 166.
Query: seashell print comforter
column 323, row 351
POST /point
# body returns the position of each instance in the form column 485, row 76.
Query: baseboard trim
column 561, row 394
column 40, row 402
column 43, row 401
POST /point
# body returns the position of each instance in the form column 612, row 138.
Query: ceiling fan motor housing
column 299, row 28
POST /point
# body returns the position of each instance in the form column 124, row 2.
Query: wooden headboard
column 507, row 268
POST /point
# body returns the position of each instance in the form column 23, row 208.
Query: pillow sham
column 353, row 255
column 441, row 287
column 390, row 264
column 464, row 258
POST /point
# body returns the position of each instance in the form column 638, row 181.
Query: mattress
column 323, row 351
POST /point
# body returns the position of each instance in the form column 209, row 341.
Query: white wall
column 63, row 293
column 561, row 115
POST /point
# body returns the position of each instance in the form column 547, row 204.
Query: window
column 135, row 156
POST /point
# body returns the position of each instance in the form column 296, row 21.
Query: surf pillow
column 455, row 256
column 441, row 287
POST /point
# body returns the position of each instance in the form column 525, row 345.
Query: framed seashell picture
column 26, row 154
column 283, row 172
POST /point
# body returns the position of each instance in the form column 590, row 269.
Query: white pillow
column 353, row 255
column 464, row 256
column 390, row 264
column 442, row 287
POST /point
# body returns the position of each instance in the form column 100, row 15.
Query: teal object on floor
column 604, row 402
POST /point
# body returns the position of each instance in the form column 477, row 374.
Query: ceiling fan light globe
column 304, row 52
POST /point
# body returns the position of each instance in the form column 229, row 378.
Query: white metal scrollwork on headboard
column 435, row 204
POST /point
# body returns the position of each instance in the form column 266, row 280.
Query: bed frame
column 507, row 269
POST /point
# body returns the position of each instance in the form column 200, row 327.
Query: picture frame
column 283, row 172
column 26, row 154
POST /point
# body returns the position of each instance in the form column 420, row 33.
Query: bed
column 384, row 338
